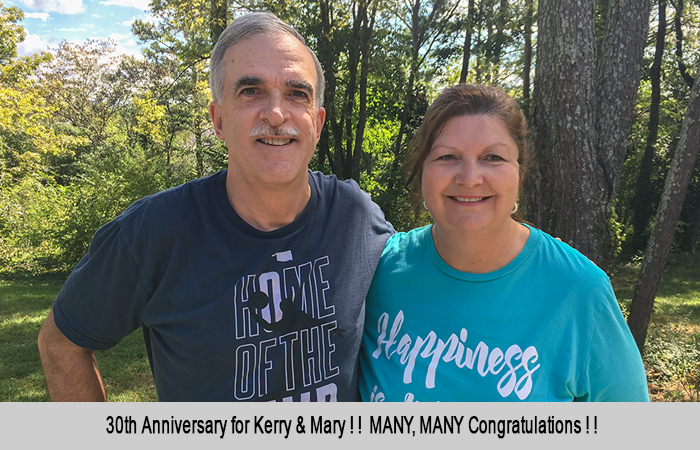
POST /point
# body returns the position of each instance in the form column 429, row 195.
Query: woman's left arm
column 614, row 371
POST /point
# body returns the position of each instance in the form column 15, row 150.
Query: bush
column 48, row 226
column 30, row 213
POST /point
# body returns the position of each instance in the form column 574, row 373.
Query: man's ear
column 320, row 119
column 215, row 116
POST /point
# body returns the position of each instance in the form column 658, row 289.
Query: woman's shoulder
column 565, row 260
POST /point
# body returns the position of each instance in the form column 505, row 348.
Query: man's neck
column 268, row 208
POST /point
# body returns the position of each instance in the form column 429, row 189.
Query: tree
column 27, row 131
column 642, row 207
column 582, row 116
column 11, row 33
column 185, row 35
column 426, row 24
column 527, row 54
column 666, row 220
column 346, row 84
column 679, row 44
column 75, row 82
column 467, row 48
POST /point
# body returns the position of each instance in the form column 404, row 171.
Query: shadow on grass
column 24, row 304
column 20, row 299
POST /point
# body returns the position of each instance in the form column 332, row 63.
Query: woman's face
column 471, row 175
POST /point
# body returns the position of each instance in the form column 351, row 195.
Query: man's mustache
column 269, row 130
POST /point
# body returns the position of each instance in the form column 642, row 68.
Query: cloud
column 145, row 18
column 129, row 50
column 58, row 6
column 117, row 37
column 71, row 30
column 42, row 16
column 139, row 4
column 150, row 18
column 32, row 44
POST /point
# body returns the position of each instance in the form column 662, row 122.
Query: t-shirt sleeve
column 103, row 297
column 614, row 371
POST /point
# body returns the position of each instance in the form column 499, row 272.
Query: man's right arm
column 71, row 371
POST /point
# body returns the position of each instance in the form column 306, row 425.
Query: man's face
column 268, row 115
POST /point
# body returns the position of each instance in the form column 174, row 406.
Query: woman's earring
column 515, row 208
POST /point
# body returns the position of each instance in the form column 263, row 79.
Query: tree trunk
column 424, row 30
column 367, row 28
column 402, row 130
column 416, row 43
column 499, row 40
column 218, row 19
column 691, row 234
column 692, row 230
column 467, row 43
column 642, row 205
column 354, row 49
column 667, row 216
column 619, row 69
column 527, row 57
column 582, row 116
column 679, row 45
column 327, row 62
column 565, row 188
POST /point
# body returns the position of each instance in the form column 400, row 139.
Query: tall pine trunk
column 582, row 116
column 642, row 204
column 667, row 216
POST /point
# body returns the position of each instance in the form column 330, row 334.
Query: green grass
column 678, row 298
column 672, row 353
column 672, row 347
column 24, row 304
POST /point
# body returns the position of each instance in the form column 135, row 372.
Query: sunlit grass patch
column 672, row 348
column 24, row 304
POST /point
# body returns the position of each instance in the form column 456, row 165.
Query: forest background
column 607, row 85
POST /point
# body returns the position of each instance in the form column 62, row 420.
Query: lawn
column 672, row 352
column 24, row 304
column 672, row 348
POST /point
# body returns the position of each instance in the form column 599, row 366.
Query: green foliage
column 617, row 231
column 90, row 131
column 45, row 225
column 27, row 131
column 30, row 216
column 11, row 33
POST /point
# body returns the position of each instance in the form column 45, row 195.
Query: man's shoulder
column 192, row 195
column 346, row 198
column 331, row 185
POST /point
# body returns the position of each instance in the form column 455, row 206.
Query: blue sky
column 49, row 22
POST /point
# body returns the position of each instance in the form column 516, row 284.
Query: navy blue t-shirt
column 230, row 312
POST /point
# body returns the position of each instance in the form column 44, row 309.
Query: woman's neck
column 480, row 251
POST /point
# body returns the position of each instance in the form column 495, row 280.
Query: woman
column 480, row 307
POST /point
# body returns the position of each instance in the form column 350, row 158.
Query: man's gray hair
column 246, row 26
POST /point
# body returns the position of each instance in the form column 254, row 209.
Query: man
column 249, row 284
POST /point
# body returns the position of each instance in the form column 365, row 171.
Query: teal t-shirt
column 546, row 327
